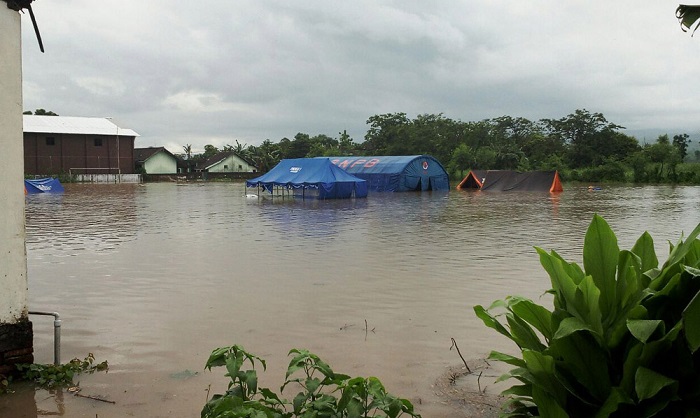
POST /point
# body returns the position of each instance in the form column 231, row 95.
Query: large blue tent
column 313, row 178
column 397, row 173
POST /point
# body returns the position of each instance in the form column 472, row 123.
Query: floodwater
column 153, row 277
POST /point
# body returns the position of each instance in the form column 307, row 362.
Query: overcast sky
column 216, row 71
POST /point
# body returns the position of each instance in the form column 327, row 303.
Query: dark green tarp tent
column 506, row 180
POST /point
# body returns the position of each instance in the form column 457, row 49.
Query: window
column 225, row 167
column 50, row 141
column 98, row 142
column 240, row 167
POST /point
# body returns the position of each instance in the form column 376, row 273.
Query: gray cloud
column 217, row 71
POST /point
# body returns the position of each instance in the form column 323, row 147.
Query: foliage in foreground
column 621, row 341
column 359, row 397
column 49, row 376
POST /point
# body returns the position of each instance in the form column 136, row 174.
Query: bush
column 359, row 397
column 622, row 339
column 610, row 171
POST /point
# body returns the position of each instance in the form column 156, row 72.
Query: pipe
column 56, row 334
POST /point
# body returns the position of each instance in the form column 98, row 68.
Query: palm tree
column 188, row 150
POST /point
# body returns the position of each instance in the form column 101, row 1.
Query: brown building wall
column 81, row 154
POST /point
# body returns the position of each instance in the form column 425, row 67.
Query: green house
column 155, row 160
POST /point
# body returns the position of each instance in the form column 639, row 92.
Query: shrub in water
column 621, row 340
column 359, row 397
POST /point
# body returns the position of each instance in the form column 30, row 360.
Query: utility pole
column 16, row 335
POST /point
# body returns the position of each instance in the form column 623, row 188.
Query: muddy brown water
column 153, row 277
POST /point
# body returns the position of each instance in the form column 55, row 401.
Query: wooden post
column 16, row 336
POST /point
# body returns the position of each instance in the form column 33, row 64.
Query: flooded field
column 153, row 277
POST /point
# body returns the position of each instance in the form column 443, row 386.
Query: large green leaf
column 571, row 325
column 536, row 315
column 644, row 249
column 616, row 398
column 679, row 251
column 522, row 374
column 648, row 383
column 581, row 356
column 642, row 329
column 518, row 390
column 542, row 368
column 653, row 350
column 629, row 278
column 490, row 321
column 523, row 334
column 691, row 323
column 563, row 285
column 506, row 358
column 547, row 405
column 572, row 269
column 600, row 257
column 588, row 302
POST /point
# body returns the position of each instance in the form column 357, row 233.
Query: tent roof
column 384, row 164
column 73, row 125
column 506, row 180
column 300, row 171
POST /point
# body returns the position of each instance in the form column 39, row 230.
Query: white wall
column 232, row 164
column 161, row 163
column 13, row 256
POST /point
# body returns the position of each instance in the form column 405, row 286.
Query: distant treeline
column 583, row 146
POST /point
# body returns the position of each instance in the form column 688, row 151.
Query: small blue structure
column 397, row 173
column 45, row 185
column 311, row 178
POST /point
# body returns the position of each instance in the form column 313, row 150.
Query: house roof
column 218, row 157
column 143, row 154
column 74, row 125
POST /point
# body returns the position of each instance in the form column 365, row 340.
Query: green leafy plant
column 5, row 384
column 621, row 340
column 50, row 375
column 359, row 397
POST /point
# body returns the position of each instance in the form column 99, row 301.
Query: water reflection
column 20, row 403
column 86, row 217
column 160, row 274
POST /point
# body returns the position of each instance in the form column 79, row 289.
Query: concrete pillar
column 16, row 337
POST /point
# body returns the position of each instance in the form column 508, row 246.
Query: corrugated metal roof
column 73, row 125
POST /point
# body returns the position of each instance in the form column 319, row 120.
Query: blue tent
column 397, row 173
column 311, row 177
column 45, row 185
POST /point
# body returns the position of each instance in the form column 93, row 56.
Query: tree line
column 583, row 146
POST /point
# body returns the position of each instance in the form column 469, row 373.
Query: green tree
column 299, row 147
column 387, row 134
column 346, row 146
column 462, row 159
column 265, row 156
column 681, row 143
column 209, row 151
column 665, row 157
column 484, row 158
column 586, row 136
column 188, row 150
column 41, row 112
